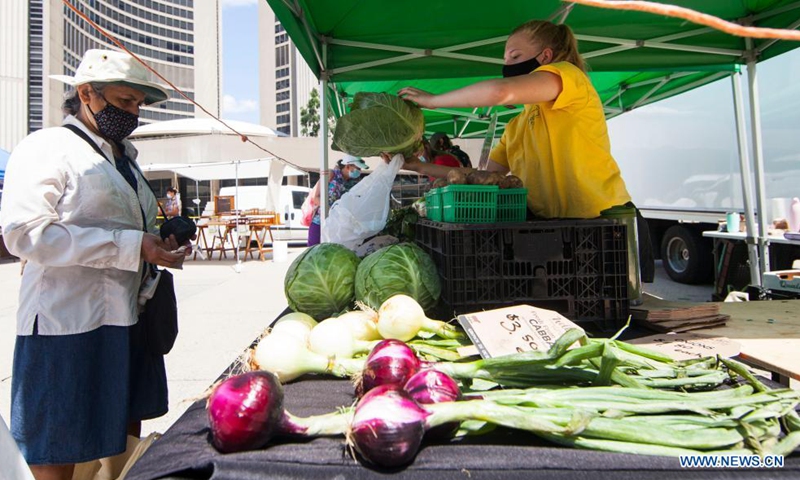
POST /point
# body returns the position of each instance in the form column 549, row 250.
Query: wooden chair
column 260, row 227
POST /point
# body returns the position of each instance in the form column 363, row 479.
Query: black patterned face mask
column 115, row 123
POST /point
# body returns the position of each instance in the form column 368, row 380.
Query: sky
column 240, row 60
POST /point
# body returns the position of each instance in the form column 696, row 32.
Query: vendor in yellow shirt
column 559, row 144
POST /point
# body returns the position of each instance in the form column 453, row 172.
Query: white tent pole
column 758, row 157
column 744, row 161
column 238, row 267
column 323, row 143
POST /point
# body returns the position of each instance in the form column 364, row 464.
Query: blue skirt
column 73, row 396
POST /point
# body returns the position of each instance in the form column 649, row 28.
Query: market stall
column 636, row 58
column 581, row 267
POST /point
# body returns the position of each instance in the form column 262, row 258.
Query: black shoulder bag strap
column 77, row 131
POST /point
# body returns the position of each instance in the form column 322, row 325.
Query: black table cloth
column 185, row 451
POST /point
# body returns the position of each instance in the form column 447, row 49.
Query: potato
column 479, row 177
column 495, row 178
column 510, row 181
column 440, row 182
column 457, row 176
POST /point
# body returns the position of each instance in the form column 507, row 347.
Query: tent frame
column 758, row 243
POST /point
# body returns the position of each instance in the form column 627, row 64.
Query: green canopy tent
column 635, row 59
column 619, row 91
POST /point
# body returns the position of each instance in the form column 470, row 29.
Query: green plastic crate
column 512, row 205
column 470, row 203
column 433, row 204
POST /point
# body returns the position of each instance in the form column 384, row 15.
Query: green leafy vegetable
column 320, row 282
column 398, row 269
column 379, row 122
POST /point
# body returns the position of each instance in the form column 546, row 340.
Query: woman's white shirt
column 71, row 214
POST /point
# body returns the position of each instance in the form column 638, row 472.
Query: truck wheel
column 683, row 256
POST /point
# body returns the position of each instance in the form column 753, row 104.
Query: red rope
column 694, row 17
column 119, row 44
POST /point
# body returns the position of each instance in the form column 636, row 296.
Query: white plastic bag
column 362, row 212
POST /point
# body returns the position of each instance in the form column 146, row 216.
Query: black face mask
column 115, row 123
column 521, row 68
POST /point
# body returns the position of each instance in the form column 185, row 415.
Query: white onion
column 333, row 338
column 363, row 325
column 401, row 317
column 296, row 324
column 287, row 357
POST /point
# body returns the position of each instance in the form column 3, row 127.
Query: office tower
column 285, row 79
column 181, row 39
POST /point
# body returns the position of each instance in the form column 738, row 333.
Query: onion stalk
column 389, row 411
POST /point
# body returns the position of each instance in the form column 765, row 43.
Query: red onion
column 388, row 426
column 245, row 411
column 390, row 362
column 430, row 386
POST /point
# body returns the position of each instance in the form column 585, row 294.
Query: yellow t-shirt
column 562, row 153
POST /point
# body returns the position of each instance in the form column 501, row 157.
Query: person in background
column 559, row 145
column 80, row 212
column 172, row 207
column 343, row 178
column 441, row 142
column 435, row 156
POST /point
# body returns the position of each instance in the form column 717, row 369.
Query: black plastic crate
column 578, row 268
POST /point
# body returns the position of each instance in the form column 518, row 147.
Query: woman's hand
column 412, row 163
column 420, row 97
column 409, row 163
column 160, row 252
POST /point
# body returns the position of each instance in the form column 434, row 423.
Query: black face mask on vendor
column 521, row 68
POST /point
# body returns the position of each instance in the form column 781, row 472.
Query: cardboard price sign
column 521, row 328
column 685, row 346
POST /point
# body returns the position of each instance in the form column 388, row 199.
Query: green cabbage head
column 379, row 122
column 320, row 282
column 402, row 268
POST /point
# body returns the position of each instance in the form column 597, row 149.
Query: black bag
column 160, row 316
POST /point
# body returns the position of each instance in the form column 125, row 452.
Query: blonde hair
column 558, row 38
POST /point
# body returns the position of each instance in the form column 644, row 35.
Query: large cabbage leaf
column 320, row 282
column 402, row 268
column 379, row 122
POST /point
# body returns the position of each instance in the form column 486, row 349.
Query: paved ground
column 221, row 312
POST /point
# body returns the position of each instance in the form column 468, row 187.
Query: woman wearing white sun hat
column 79, row 211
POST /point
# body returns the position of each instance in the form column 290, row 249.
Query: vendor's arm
column 441, row 171
column 521, row 90
column 429, row 169
column 32, row 229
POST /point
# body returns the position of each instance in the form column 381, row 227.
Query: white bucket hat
column 108, row 66
column 353, row 160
